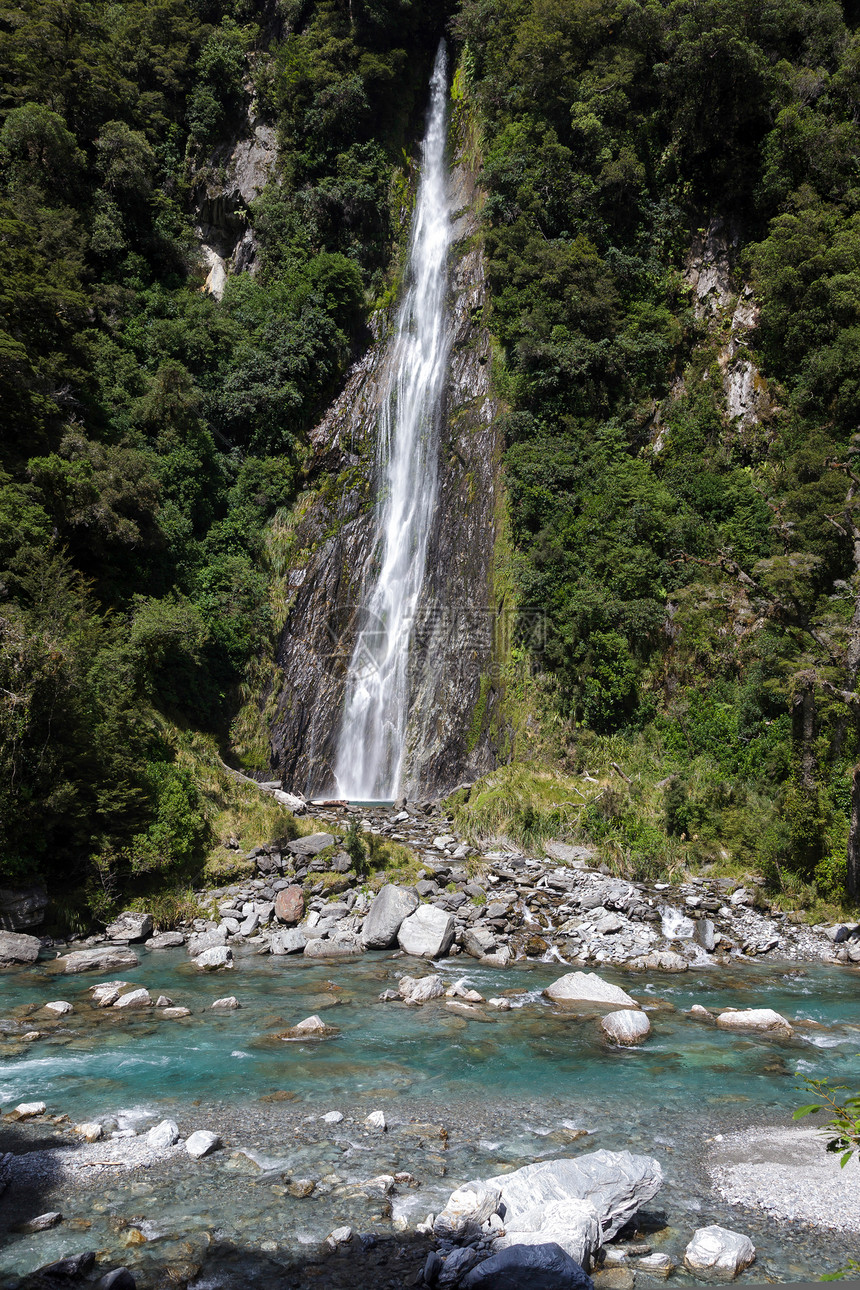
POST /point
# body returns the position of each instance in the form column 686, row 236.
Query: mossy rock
column 225, row 866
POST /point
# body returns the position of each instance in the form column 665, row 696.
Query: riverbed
column 464, row 1095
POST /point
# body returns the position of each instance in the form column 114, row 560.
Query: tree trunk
column 804, row 731
column 852, row 881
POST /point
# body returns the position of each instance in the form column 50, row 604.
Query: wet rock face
column 335, row 536
column 22, row 907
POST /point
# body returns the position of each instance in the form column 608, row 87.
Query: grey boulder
column 101, row 958
column 218, row 956
column 528, row 1267
column 428, row 933
column 390, row 907
column 616, row 1183
column 588, row 987
column 130, row 926
column 478, row 941
column 719, row 1251
column 340, row 947
column 164, row 941
column 572, row 1224
column 626, row 1026
column 311, row 845
column 17, row 948
column 292, row 941
column 763, row 1020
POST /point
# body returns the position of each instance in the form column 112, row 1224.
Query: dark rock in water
column 18, row 948
column 22, row 907
column 528, row 1267
column 119, row 1279
column 74, row 1266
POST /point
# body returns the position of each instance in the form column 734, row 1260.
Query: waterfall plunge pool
column 507, row 1087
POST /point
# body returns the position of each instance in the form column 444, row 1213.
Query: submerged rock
column 428, row 933
column 16, row 948
column 588, row 987
column 717, row 1249
column 42, row 1223
column 390, row 907
column 101, row 958
column 626, row 1026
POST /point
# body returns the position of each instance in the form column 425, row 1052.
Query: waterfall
column 370, row 746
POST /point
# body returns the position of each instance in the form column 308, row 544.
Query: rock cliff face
column 235, row 174
column 453, row 642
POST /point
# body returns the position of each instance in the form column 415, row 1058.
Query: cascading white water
column 370, row 747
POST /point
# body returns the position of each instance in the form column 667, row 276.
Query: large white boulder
column 134, row 999
column 390, row 907
column 428, row 933
column 759, row 1019
column 467, row 1207
column 421, row 989
column 572, row 1224
column 588, row 987
column 717, row 1250
column 616, row 1183
column 628, row 1026
column 218, row 956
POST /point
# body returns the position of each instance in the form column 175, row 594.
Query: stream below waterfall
column 507, row 1089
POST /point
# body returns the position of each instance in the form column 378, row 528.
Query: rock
column 76, row 1265
column 90, row 1130
column 456, row 1265
column 614, row 1278
column 18, row 948
column 311, row 1028
column 390, row 907
column 22, row 907
column 42, row 1223
column 616, row 1182
column 659, row 961
column 207, row 940
column 574, row 1225
column 626, row 1026
column 292, row 941
column 290, row 801
column 478, row 941
column 700, row 1013
column 24, row 1110
column 422, row 989
column 201, row 1143
column 249, row 926
column 500, row 959
column 332, row 1117
column 130, row 926
column 705, row 935
column 588, row 987
column 134, row 999
column 164, row 941
column 528, row 1267
column 311, row 845
column 716, row 1249
column 340, row 1236
column 500, row 1004
column 335, row 947
column 657, row 1264
column 467, row 1208
column 119, row 1279
column 567, row 854
column 164, row 1001
column 162, row 1135
column 59, row 1007
column 218, row 956
column 176, row 1012
column 428, row 933
column 290, row 905
column 301, row 1188
column 376, row 1120
column 760, row 1019
column 101, row 958
column 229, row 1001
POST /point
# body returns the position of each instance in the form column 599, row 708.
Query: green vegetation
column 844, row 1116
column 696, row 565
column 150, row 433
column 680, row 474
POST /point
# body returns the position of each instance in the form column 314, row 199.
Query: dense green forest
column 700, row 570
